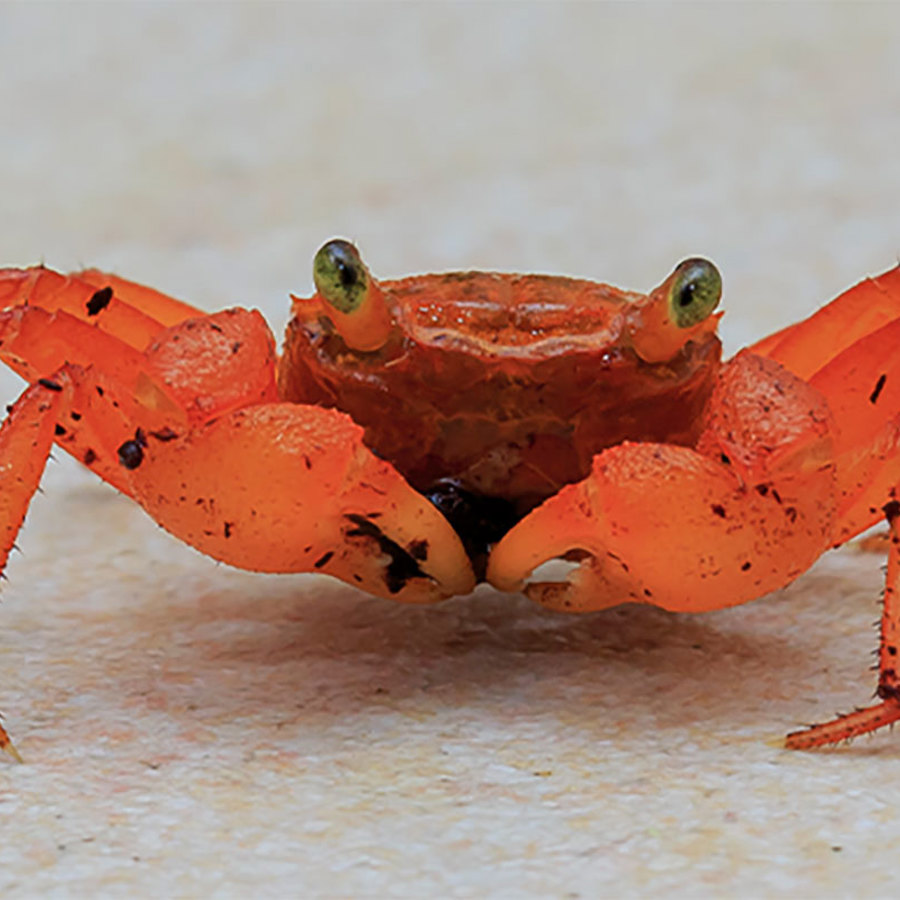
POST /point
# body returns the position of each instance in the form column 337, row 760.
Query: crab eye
column 695, row 292
column 354, row 301
column 340, row 275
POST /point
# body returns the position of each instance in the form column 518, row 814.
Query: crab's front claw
column 563, row 528
column 284, row 487
column 690, row 529
column 668, row 526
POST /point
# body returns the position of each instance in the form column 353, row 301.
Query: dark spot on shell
column 59, row 431
column 89, row 457
column 718, row 510
column 745, row 566
column 99, row 301
column 879, row 386
column 50, row 385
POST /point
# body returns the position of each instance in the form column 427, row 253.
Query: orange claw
column 691, row 530
column 287, row 488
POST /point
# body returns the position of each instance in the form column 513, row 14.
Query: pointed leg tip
column 9, row 748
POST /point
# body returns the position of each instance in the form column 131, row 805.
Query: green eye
column 341, row 276
column 695, row 292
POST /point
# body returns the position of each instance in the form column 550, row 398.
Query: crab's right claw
column 283, row 487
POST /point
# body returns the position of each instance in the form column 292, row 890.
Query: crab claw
column 284, row 487
column 687, row 529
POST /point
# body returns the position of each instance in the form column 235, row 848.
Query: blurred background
column 209, row 149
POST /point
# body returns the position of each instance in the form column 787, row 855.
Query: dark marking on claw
column 59, row 431
column 227, row 529
column 49, row 384
column 99, row 301
column 402, row 567
column 89, row 457
column 164, row 434
column 891, row 510
column 131, row 454
column 323, row 559
column 418, row 550
column 879, row 386
column 718, row 510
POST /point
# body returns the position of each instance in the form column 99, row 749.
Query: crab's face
column 506, row 385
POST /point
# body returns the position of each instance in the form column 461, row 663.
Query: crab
column 418, row 436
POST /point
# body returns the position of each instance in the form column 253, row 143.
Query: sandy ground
column 191, row 730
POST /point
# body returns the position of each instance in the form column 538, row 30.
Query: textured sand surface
column 191, row 730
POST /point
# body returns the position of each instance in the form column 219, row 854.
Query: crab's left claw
column 690, row 529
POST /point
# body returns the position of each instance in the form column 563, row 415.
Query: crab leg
column 864, row 721
column 132, row 313
column 161, row 307
column 857, row 312
column 26, row 437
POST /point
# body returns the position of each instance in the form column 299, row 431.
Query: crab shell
column 506, row 385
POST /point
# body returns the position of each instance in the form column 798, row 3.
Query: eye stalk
column 678, row 311
column 352, row 298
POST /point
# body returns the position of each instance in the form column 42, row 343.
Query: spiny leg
column 26, row 437
column 94, row 419
column 865, row 721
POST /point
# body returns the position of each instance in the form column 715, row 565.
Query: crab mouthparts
column 480, row 521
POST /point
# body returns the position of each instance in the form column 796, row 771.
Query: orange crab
column 419, row 435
